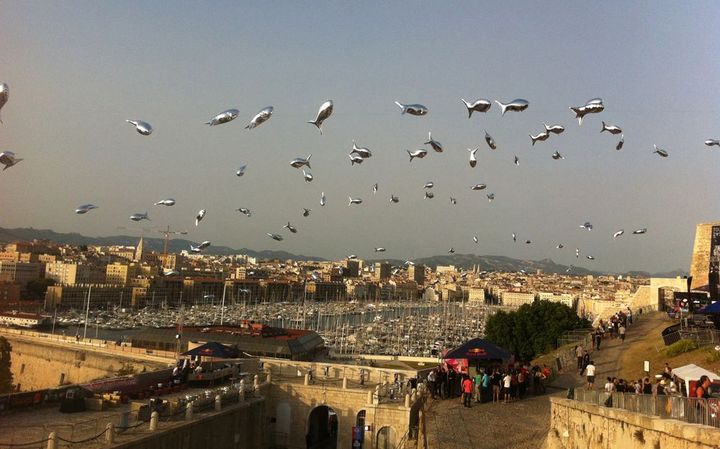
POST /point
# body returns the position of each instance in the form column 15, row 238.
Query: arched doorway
column 282, row 424
column 359, row 430
column 386, row 438
column 322, row 429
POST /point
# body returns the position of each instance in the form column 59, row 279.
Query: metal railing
column 691, row 410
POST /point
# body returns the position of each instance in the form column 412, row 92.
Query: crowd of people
column 489, row 384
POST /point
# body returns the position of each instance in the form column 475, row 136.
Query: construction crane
column 167, row 233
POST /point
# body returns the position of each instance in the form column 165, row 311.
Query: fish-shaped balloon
column 241, row 170
column 660, row 151
column 490, row 141
column 380, row 249
column 141, row 127
column 543, row 136
column 429, row 195
column 514, row 237
column 307, row 176
column 8, row 159
column 587, row 226
column 139, row 216
column 85, row 208
column 245, row 211
column 4, row 95
column 640, row 231
column 473, row 159
column 453, row 201
column 591, row 107
column 479, row 105
column 429, row 185
column 451, row 251
column 326, row 109
column 170, row 272
column 261, row 117
column 490, row 196
column 620, row 143
column 712, row 142
column 412, row 109
column 394, row 199
column 590, row 257
column 166, row 202
column 375, row 188
column 618, row 233
column 517, row 161
column 200, row 215
column 352, row 200
column 560, row 246
column 306, row 212
column 516, row 105
column 527, row 242
column 478, row 187
column 323, row 201
column 556, row 155
column 204, row 244
column 577, row 252
column 351, row 257
column 223, row 117
column 277, row 237
column 475, row 239
column 194, row 249
column 555, row 129
column 421, row 153
column 355, row 159
column 301, row 161
column 360, row 151
column 612, row 129
column 434, row 144
column 290, row 228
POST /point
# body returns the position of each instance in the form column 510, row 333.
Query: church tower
column 139, row 251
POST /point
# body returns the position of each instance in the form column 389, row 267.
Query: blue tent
column 478, row 349
column 711, row 308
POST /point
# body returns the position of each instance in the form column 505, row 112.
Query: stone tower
column 139, row 251
column 705, row 263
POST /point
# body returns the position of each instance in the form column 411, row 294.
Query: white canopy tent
column 693, row 372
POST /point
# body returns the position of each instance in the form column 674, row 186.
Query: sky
column 77, row 70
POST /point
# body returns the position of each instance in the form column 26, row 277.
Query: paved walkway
column 523, row 424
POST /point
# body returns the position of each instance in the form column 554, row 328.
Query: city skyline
column 74, row 84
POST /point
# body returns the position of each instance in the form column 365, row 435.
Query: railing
column 691, row 410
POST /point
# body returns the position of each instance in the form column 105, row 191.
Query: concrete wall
column 37, row 364
column 577, row 425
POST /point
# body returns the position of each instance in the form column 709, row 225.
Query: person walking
column 590, row 373
column 467, row 389
column 621, row 333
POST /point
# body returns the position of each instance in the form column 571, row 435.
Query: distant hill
column 467, row 261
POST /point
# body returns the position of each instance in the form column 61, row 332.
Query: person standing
column 497, row 379
column 621, row 332
column 485, row 387
column 507, row 381
column 590, row 372
column 467, row 390
column 477, row 380
column 579, row 351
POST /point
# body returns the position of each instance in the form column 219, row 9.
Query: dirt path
column 523, row 424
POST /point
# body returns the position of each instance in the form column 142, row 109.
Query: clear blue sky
column 77, row 70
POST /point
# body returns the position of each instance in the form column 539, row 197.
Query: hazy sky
column 77, row 70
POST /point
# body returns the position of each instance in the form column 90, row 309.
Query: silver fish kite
column 429, row 185
column 290, row 228
column 490, row 196
column 204, row 244
column 618, row 233
column 478, row 187
column 490, row 141
column 8, row 159
column 560, row 246
column 360, row 151
column 712, row 142
column 4, row 95
column 473, row 159
column 380, row 250
column 351, row 257
column 85, row 208
column 453, row 201
column 307, row 176
column 556, row 155
column 434, row 144
column 577, row 253
column 301, row 161
column 516, row 105
column 660, row 152
column 517, row 161
column 139, row 216
column 479, row 105
column 326, row 109
column 166, row 202
column 612, row 129
column 224, row 117
column 375, row 188
column 170, row 272
column 261, row 117
column 355, row 159
column 241, row 170
column 451, row 251
column 352, row 200
column 514, row 237
column 621, row 143
column 141, row 127
column 323, row 201
column 640, row 231
column 590, row 257
column 412, row 109
column 245, row 211
column 429, row 195
column 591, row 107
column 475, row 239
column 587, row 226
column 306, row 212
column 394, row 199
column 527, row 242
column 200, row 215
column 555, row 129
column 194, row 249
column 543, row 136
column 421, row 153
column 277, row 237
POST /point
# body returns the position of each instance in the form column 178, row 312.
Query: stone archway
column 386, row 438
column 322, row 428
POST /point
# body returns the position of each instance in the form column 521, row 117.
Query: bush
column 681, row 347
column 712, row 355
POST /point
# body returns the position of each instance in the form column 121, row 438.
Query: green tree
column 6, row 377
column 36, row 289
column 533, row 328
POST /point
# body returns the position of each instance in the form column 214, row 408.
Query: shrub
column 681, row 347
